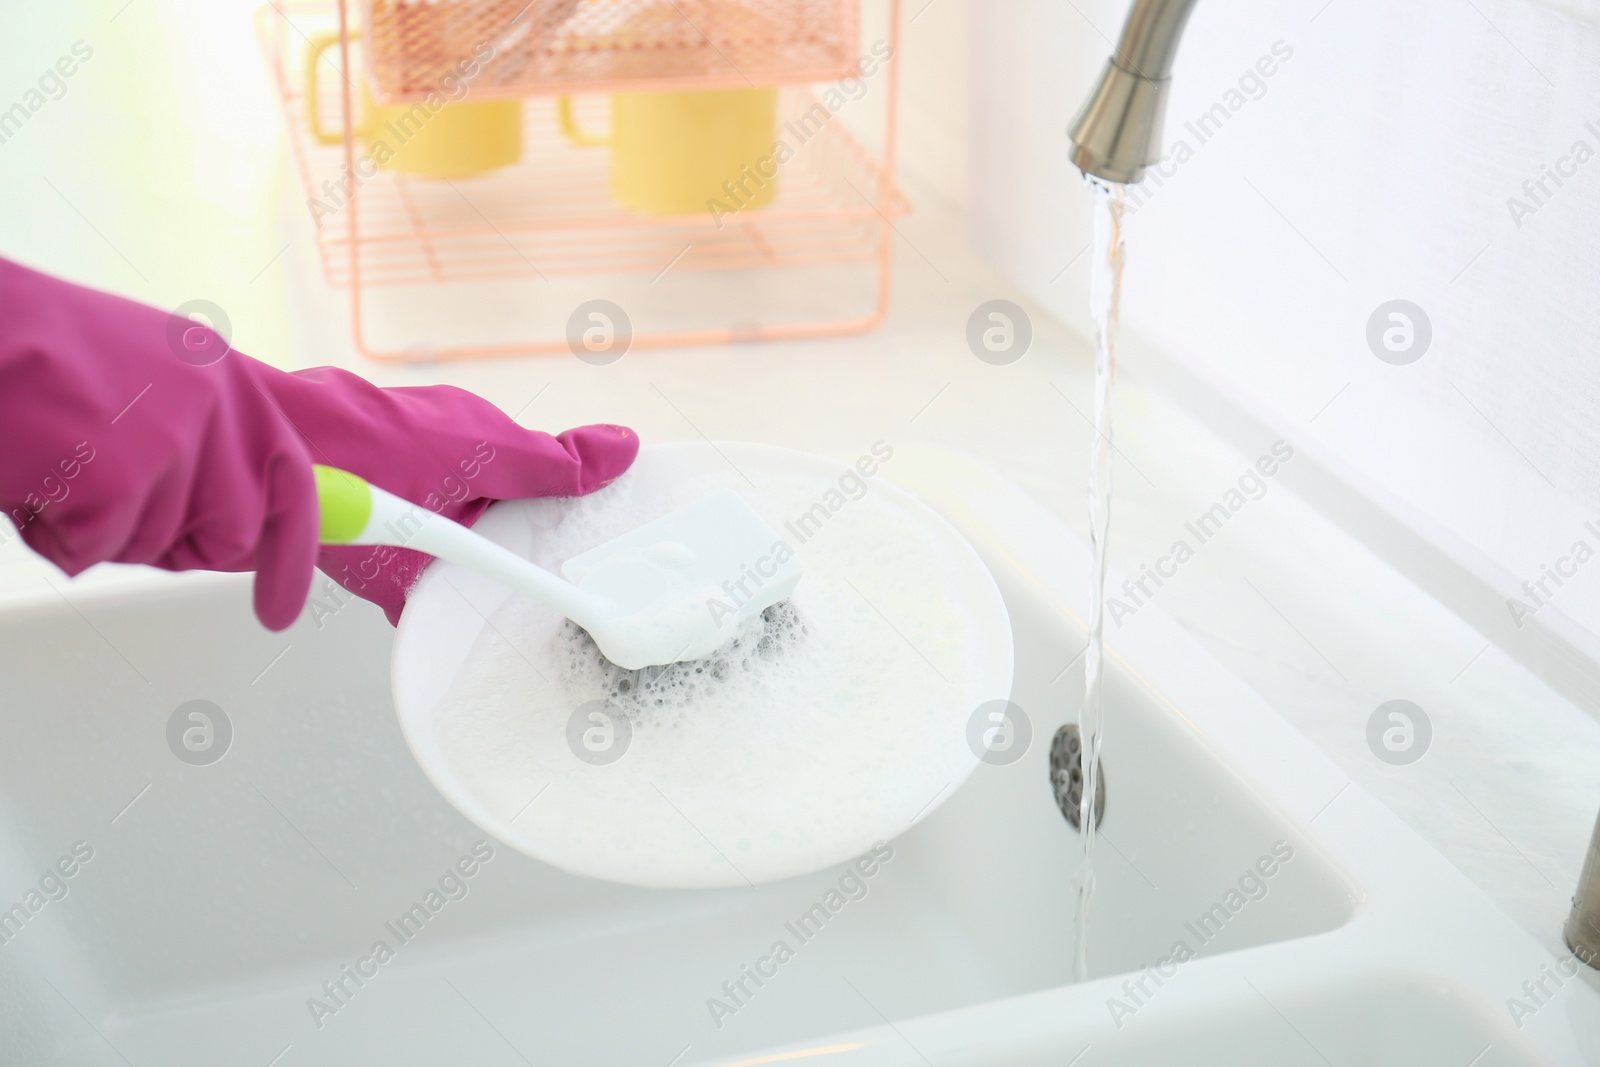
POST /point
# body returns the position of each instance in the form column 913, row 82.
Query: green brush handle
column 346, row 503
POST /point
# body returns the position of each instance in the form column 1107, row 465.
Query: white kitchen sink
column 219, row 898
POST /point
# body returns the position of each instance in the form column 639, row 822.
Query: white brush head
column 680, row 586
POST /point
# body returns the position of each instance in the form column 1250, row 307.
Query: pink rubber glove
column 134, row 436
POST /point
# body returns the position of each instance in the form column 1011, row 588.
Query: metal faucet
column 1583, row 925
column 1118, row 132
column 1116, row 135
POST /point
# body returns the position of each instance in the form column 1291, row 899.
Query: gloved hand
column 133, row 436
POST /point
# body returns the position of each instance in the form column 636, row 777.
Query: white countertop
column 1313, row 620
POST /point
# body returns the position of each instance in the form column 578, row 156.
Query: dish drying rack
column 530, row 242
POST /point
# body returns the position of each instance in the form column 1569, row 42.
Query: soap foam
column 827, row 722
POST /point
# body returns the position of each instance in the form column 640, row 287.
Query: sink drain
column 1066, row 777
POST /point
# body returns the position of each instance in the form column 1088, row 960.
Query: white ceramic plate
column 711, row 795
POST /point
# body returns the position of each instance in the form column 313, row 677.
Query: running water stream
column 1105, row 294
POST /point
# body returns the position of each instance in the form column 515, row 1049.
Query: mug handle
column 569, row 126
column 317, row 44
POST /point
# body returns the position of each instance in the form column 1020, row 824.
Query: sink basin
column 229, row 909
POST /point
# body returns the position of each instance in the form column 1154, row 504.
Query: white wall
column 1376, row 164
column 935, row 53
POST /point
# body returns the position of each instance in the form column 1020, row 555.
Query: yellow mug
column 456, row 139
column 681, row 153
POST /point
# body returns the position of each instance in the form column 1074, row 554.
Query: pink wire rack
column 549, row 215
